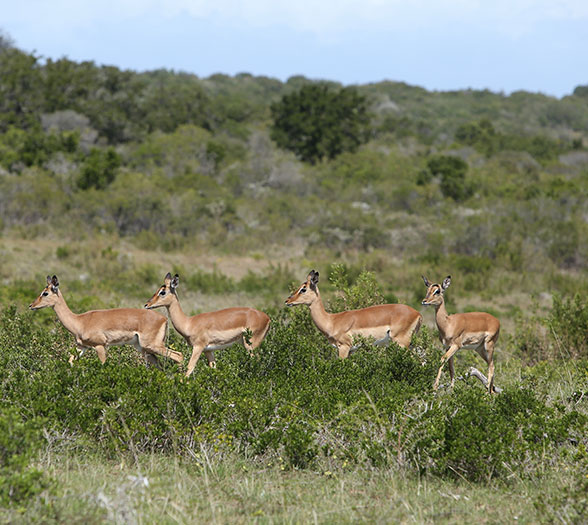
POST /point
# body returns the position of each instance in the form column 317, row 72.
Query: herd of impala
column 146, row 330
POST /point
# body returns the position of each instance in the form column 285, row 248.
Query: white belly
column 381, row 336
column 217, row 346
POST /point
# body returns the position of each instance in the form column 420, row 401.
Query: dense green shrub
column 568, row 322
column 295, row 400
column 99, row 169
column 452, row 171
column 20, row 441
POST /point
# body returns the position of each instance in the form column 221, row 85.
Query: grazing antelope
column 384, row 322
column 212, row 330
column 475, row 330
column 100, row 329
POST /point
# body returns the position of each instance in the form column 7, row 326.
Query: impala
column 385, row 322
column 100, row 329
column 475, row 330
column 213, row 330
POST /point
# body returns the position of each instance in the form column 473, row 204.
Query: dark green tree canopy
column 318, row 122
column 453, row 176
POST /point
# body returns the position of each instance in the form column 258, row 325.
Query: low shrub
column 19, row 442
column 294, row 400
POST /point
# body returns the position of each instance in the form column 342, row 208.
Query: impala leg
column 101, row 351
column 344, row 350
column 451, row 370
column 73, row 358
column 490, row 350
column 256, row 339
column 449, row 354
column 150, row 359
column 196, row 351
column 160, row 349
column 210, row 358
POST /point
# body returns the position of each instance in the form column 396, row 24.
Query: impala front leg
column 101, row 351
column 80, row 352
column 448, row 355
column 196, row 351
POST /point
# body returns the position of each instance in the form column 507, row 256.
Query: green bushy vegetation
column 297, row 406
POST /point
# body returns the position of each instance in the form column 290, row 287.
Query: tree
column 317, row 122
column 99, row 169
column 20, row 89
column 452, row 171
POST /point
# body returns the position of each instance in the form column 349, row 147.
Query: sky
column 500, row 45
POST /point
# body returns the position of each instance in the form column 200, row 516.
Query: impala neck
column 442, row 317
column 178, row 318
column 322, row 319
column 66, row 317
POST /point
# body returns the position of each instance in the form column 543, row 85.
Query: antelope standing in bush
column 212, row 330
column 384, row 322
column 100, row 329
column 475, row 330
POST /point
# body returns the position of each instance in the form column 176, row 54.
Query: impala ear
column 48, row 279
column 313, row 278
column 167, row 279
column 175, row 281
column 446, row 282
column 54, row 284
column 427, row 283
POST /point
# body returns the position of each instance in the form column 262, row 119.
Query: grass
column 205, row 488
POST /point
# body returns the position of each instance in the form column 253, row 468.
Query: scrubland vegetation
column 112, row 178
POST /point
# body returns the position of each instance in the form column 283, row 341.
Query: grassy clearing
column 209, row 489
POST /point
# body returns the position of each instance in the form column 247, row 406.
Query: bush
column 19, row 444
column 294, row 400
column 568, row 322
column 99, row 169
column 452, row 171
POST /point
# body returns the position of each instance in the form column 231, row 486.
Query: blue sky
column 501, row 45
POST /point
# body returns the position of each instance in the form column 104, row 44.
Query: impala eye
column 162, row 292
column 45, row 294
column 302, row 290
column 437, row 291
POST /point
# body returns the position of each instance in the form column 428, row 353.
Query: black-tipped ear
column 48, row 279
column 54, row 284
column 314, row 278
column 168, row 276
column 427, row 283
column 175, row 281
column 446, row 282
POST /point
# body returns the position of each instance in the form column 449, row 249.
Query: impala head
column 49, row 296
column 307, row 292
column 166, row 292
column 435, row 291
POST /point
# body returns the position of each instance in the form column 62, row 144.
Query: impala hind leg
column 490, row 351
column 150, row 359
column 256, row 339
column 448, row 355
column 451, row 370
column 486, row 351
column 210, row 358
